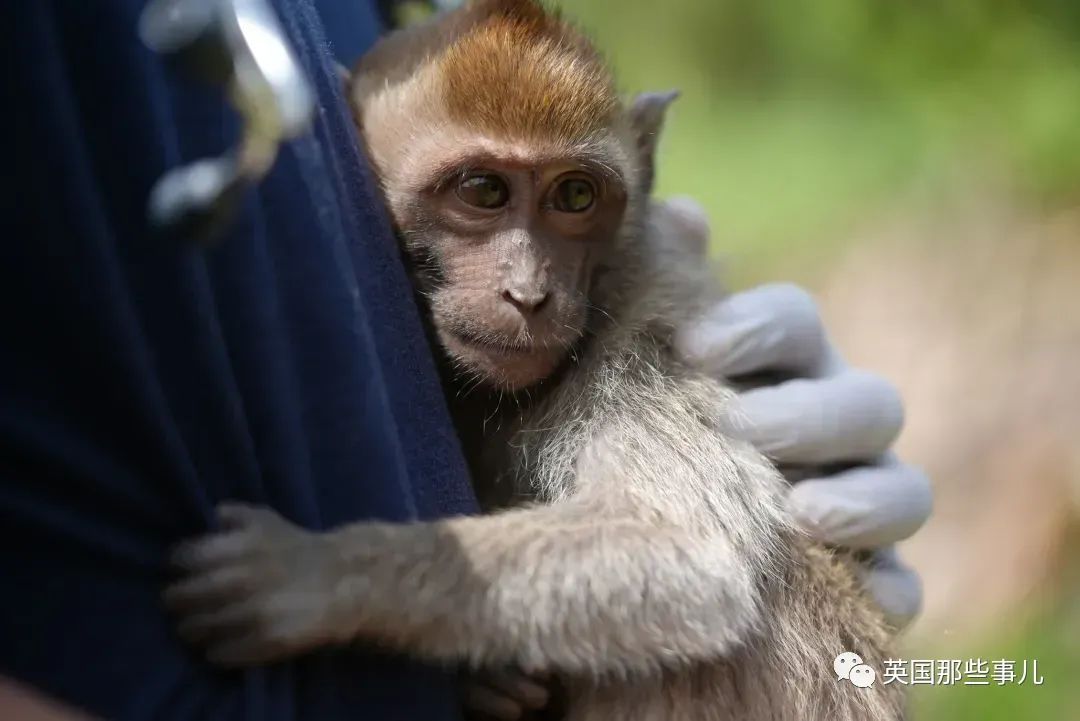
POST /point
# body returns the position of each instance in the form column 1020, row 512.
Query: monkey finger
column 490, row 703
column 247, row 650
column 865, row 507
column 774, row 327
column 530, row 692
column 211, row 550
column 220, row 623
column 850, row 417
column 233, row 514
column 207, row 590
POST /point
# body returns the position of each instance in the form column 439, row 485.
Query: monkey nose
column 527, row 302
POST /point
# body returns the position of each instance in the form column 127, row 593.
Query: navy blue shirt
column 141, row 384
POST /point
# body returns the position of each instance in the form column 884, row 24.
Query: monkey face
column 510, row 167
column 507, row 251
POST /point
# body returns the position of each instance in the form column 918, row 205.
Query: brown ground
column 974, row 312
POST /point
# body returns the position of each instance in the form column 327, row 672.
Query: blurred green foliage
column 801, row 117
column 1052, row 638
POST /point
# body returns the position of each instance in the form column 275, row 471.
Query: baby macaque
column 632, row 547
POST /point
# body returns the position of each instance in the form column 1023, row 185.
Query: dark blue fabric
column 142, row 384
column 341, row 20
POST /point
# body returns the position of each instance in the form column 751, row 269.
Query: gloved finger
column 853, row 416
column 774, row 327
column 895, row 587
column 683, row 222
column 865, row 507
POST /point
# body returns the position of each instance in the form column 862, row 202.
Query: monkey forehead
column 414, row 144
column 456, row 149
column 524, row 72
column 502, row 77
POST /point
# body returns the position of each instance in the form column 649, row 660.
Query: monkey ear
column 647, row 118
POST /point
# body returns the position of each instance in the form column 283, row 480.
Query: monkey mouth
column 490, row 344
column 502, row 363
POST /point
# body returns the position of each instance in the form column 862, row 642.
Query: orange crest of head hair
column 522, row 71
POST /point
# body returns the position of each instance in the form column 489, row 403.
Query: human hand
column 826, row 425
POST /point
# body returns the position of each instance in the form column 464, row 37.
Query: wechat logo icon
column 849, row 666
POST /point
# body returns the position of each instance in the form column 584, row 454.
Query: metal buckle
column 240, row 46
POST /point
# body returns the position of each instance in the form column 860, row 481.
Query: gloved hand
column 827, row 426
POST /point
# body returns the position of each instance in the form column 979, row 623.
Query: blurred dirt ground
column 974, row 312
column 973, row 309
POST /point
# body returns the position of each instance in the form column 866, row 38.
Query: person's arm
column 23, row 703
column 827, row 425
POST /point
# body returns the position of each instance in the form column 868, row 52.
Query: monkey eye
column 484, row 190
column 574, row 195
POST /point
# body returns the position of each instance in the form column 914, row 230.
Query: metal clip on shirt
column 240, row 46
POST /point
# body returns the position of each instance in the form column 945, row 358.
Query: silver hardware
column 237, row 44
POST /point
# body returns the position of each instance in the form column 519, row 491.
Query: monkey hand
column 257, row 590
column 505, row 695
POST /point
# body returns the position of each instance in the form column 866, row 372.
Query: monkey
column 630, row 544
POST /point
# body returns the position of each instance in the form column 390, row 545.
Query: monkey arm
column 655, row 558
column 534, row 587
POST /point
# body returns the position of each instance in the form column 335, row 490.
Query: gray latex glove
column 822, row 415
